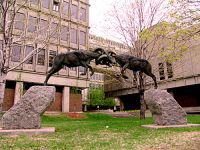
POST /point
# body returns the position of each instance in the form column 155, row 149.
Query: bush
column 97, row 98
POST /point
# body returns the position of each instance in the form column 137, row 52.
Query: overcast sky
column 98, row 15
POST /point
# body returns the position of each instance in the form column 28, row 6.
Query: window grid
column 74, row 11
column 32, row 24
column 82, row 38
column 41, row 57
column 65, row 9
column 28, row 50
column 83, row 14
column 74, row 36
column 16, row 53
column 19, row 21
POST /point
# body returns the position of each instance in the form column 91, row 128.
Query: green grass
column 97, row 131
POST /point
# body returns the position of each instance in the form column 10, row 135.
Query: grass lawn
column 102, row 132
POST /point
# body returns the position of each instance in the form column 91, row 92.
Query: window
column 161, row 71
column 65, row 8
column 45, row 3
column 169, row 70
column 16, row 53
column 74, row 36
column 32, row 24
column 34, row 2
column 81, row 69
column 19, row 21
column 52, row 54
column 1, row 45
column 41, row 57
column 43, row 27
column 28, row 50
column 64, row 33
column 74, row 11
column 56, row 5
column 83, row 14
column 54, row 30
column 73, row 68
column 82, row 38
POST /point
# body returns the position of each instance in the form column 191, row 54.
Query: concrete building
column 50, row 27
column 181, row 78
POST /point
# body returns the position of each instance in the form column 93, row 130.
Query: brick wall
column 75, row 103
column 57, row 104
column 8, row 101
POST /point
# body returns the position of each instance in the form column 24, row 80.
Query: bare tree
column 12, row 17
column 146, row 28
column 187, row 12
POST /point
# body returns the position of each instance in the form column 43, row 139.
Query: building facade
column 181, row 78
column 45, row 28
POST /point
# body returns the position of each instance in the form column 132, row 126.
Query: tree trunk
column 2, row 89
column 142, row 102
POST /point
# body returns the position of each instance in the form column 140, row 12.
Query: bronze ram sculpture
column 130, row 62
column 77, row 58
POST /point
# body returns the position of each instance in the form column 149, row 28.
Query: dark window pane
column 43, row 27
column 34, row 2
column 74, row 11
column 65, row 8
column 161, row 71
column 19, row 21
column 16, row 53
column 74, row 36
column 82, row 38
column 83, row 14
column 28, row 50
column 169, row 70
column 81, row 69
column 1, row 45
column 45, row 3
column 32, row 24
column 73, row 68
column 52, row 54
column 56, row 5
column 64, row 33
column 41, row 57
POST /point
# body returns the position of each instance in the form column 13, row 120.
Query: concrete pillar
column 84, row 95
column 84, row 108
column 65, row 99
column 18, row 91
column 84, row 99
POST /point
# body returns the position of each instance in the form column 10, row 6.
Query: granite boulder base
column 164, row 108
column 25, row 114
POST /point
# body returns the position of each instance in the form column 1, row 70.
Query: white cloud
column 98, row 15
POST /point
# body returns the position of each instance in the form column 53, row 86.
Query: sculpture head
column 107, row 59
column 99, row 50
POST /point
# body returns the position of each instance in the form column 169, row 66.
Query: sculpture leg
column 123, row 71
column 92, row 71
column 53, row 70
column 86, row 68
column 148, row 71
column 154, row 79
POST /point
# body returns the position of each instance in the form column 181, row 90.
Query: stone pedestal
column 164, row 108
column 25, row 114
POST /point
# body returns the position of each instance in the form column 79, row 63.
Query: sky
column 98, row 15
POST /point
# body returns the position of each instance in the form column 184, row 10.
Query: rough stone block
column 164, row 108
column 25, row 114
